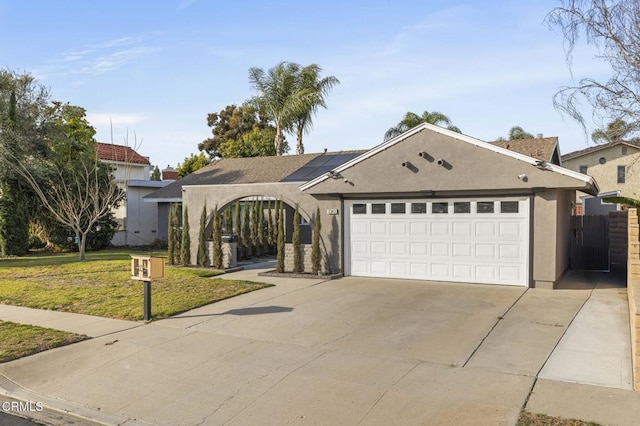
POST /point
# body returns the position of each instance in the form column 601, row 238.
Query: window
column 583, row 169
column 378, row 208
column 621, row 174
column 462, row 207
column 484, row 207
column 359, row 209
column 439, row 207
column 418, row 208
column 508, row 207
column 398, row 208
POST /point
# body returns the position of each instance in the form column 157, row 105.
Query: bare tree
column 78, row 192
column 614, row 28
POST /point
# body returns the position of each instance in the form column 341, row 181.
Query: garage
column 474, row 240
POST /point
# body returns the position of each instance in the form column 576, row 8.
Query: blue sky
column 155, row 69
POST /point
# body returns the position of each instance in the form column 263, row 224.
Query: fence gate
column 590, row 242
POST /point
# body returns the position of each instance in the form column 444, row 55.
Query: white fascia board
column 464, row 138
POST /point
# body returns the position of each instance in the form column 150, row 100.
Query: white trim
column 588, row 180
column 240, row 184
column 162, row 200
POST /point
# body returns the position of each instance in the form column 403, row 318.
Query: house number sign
column 332, row 211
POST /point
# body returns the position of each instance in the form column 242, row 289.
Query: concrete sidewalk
column 88, row 325
column 349, row 351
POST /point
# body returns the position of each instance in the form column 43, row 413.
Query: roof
column 596, row 148
column 119, row 153
column 247, row 170
column 587, row 180
column 539, row 148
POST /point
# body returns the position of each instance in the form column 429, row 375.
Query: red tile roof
column 120, row 153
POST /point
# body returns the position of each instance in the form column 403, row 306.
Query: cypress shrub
column 295, row 241
column 315, row 248
column 261, row 231
column 202, row 246
column 217, row 239
column 246, row 232
column 185, row 246
column 280, row 239
column 171, row 241
column 238, row 228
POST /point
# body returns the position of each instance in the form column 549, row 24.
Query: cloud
column 96, row 59
column 185, row 4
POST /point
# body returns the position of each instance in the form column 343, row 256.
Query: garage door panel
column 435, row 240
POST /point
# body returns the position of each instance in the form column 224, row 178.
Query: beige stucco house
column 430, row 204
column 615, row 166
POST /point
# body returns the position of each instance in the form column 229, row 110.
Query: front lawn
column 18, row 340
column 102, row 285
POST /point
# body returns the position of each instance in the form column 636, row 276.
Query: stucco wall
column 607, row 174
column 222, row 195
column 564, row 209
column 466, row 168
column 545, row 246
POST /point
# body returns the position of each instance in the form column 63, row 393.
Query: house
column 430, row 204
column 614, row 165
column 137, row 220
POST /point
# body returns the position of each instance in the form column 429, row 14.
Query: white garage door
column 465, row 240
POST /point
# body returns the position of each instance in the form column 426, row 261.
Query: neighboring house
column 430, row 204
column 546, row 149
column 613, row 165
column 137, row 220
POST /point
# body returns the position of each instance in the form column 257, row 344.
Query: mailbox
column 146, row 268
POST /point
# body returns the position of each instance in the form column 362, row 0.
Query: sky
column 149, row 72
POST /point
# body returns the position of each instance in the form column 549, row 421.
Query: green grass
column 18, row 340
column 102, row 285
column 529, row 419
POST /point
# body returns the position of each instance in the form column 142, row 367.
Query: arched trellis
column 226, row 195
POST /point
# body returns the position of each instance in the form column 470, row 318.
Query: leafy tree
column 612, row 27
column 155, row 174
column 230, row 125
column 202, row 245
column 25, row 121
column 515, row 133
column 280, row 239
column 185, row 244
column 296, row 242
column 278, row 97
column 615, row 131
column 191, row 164
column 217, row 239
column 72, row 184
column 412, row 120
column 255, row 143
column 315, row 247
column 309, row 80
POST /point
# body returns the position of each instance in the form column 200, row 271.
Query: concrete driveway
column 349, row 351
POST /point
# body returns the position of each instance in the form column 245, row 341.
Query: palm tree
column 279, row 98
column 411, row 120
column 309, row 81
column 616, row 130
column 516, row 132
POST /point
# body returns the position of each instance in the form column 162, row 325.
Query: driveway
column 349, row 351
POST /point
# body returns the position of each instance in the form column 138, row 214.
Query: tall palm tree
column 279, row 98
column 309, row 81
column 412, row 119
column 616, row 130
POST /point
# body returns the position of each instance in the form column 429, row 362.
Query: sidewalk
column 88, row 325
